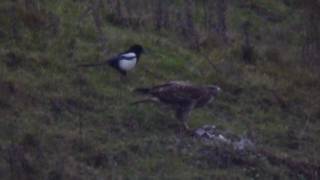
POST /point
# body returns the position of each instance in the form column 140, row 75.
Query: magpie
column 124, row 61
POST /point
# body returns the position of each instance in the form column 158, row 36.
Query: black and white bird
column 123, row 62
column 181, row 96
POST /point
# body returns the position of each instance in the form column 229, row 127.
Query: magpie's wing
column 114, row 62
column 127, row 56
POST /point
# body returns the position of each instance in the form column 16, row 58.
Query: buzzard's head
column 214, row 89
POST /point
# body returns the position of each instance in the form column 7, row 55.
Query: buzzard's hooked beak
column 219, row 89
column 215, row 88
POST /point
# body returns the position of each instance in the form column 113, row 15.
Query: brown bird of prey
column 182, row 96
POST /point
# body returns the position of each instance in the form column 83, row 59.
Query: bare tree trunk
column 158, row 15
column 206, row 12
column 119, row 16
column 110, row 6
column 166, row 14
column 215, row 20
column 189, row 29
column 161, row 14
column 96, row 14
column 188, row 21
column 311, row 46
column 94, row 9
column 14, row 29
column 247, row 48
column 221, row 27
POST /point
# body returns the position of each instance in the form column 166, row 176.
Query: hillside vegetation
column 58, row 121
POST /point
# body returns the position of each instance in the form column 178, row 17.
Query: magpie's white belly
column 127, row 65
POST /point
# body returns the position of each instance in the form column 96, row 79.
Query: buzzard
column 122, row 62
column 182, row 96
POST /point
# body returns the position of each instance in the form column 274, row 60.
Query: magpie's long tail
column 142, row 90
column 95, row 64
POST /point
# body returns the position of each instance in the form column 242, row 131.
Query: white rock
column 200, row 132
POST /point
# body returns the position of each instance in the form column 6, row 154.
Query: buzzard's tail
column 142, row 90
column 146, row 100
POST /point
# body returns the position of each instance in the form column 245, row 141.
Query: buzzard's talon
column 186, row 127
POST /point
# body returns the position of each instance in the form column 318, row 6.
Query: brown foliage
column 31, row 14
column 311, row 46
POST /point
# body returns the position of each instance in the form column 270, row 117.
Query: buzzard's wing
column 177, row 93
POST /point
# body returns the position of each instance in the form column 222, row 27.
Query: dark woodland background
column 61, row 122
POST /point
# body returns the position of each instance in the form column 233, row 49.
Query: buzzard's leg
column 183, row 114
column 186, row 126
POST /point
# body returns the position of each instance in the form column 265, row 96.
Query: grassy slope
column 76, row 123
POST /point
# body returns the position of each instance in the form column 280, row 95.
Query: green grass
column 76, row 123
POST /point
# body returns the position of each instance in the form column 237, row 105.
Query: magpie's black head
column 138, row 49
